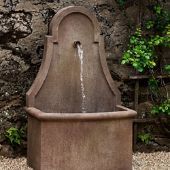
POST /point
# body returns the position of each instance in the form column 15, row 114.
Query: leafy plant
column 167, row 68
column 153, row 86
column 144, row 137
column 157, row 9
column 141, row 52
column 162, row 18
column 168, row 30
column 14, row 135
column 163, row 108
column 149, row 24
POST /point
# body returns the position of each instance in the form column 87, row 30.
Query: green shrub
column 163, row 108
column 167, row 68
column 144, row 137
column 14, row 135
column 141, row 53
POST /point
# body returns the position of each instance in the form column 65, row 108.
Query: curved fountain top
column 57, row 19
column 64, row 76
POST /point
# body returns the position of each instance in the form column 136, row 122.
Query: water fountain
column 75, row 121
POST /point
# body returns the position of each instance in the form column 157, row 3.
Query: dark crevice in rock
column 18, row 51
column 105, row 9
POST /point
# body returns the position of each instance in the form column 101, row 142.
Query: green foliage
column 149, row 24
column 167, row 68
column 14, row 135
column 163, row 108
column 153, row 85
column 157, row 9
column 168, row 30
column 160, row 25
column 141, row 52
column 162, row 18
column 144, row 137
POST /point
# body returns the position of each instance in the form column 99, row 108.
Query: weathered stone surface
column 6, row 150
column 127, row 93
column 163, row 141
column 144, row 109
column 164, row 90
column 11, row 67
column 10, row 4
column 15, row 78
column 132, row 14
column 14, row 25
column 113, row 27
column 120, row 72
column 165, row 59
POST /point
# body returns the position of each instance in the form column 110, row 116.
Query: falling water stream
column 81, row 55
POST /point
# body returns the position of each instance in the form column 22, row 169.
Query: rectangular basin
column 80, row 141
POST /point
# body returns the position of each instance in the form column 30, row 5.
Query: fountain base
column 73, row 141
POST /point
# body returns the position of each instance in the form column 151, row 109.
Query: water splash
column 81, row 55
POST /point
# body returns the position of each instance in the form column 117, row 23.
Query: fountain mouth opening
column 76, row 44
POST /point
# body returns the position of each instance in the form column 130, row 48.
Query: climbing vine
column 163, row 108
column 141, row 52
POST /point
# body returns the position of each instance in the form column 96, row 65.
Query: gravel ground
column 151, row 161
column 141, row 161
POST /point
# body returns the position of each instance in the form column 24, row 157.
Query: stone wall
column 23, row 25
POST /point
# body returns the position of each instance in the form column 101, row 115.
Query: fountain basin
column 76, row 141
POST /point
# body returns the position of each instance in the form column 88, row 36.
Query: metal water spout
column 76, row 44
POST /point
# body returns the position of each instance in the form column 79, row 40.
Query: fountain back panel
column 75, row 119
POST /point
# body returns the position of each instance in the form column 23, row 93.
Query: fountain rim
column 124, row 113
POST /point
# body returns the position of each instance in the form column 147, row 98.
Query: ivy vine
column 141, row 52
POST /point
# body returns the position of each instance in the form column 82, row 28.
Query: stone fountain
column 75, row 120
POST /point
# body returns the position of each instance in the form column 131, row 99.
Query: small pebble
column 141, row 161
column 151, row 161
